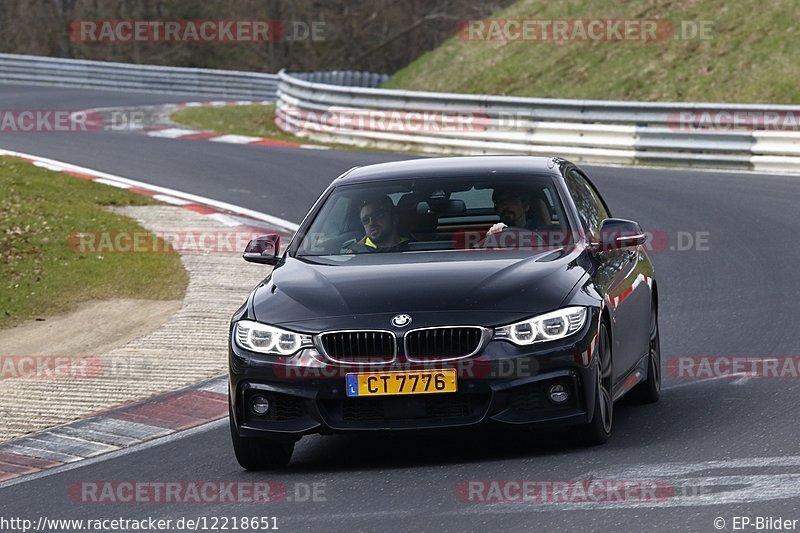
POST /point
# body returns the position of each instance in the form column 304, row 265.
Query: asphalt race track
column 728, row 447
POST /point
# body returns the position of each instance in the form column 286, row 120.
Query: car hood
column 487, row 288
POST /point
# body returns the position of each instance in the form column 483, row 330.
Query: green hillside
column 750, row 54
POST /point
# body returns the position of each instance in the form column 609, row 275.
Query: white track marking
column 171, row 133
column 54, row 168
column 235, row 139
column 113, row 183
column 224, row 206
column 170, row 199
column 225, row 219
column 314, row 147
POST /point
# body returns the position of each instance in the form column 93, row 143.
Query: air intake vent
column 443, row 343
column 359, row 346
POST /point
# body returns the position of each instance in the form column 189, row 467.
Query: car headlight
column 547, row 327
column 262, row 338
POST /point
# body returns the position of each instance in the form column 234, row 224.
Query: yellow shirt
column 368, row 242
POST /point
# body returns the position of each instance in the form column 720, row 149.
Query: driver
column 512, row 205
column 381, row 224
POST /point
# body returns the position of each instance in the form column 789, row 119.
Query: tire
column 649, row 390
column 260, row 453
column 599, row 429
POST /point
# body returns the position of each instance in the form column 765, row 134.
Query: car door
column 617, row 276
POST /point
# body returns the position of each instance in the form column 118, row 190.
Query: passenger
column 381, row 227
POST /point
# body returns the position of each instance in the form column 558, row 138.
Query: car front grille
column 359, row 346
column 443, row 343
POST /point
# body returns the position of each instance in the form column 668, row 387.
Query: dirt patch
column 94, row 328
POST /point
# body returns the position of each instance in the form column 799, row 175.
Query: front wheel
column 260, row 453
column 599, row 429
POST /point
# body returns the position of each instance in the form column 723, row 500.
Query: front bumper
column 503, row 384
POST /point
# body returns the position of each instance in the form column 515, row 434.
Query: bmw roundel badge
column 401, row 321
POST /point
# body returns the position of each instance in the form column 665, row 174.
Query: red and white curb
column 229, row 214
column 145, row 420
column 178, row 132
column 196, row 135
column 114, row 430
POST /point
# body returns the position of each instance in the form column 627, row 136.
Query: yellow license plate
column 394, row 383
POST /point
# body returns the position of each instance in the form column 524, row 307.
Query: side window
column 336, row 218
column 590, row 208
column 553, row 206
column 331, row 221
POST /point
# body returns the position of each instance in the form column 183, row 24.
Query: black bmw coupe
column 443, row 293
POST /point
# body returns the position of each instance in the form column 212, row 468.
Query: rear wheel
column 599, row 429
column 649, row 390
column 260, row 453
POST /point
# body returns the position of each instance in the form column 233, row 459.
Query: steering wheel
column 509, row 237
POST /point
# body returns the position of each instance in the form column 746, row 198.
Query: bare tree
column 63, row 11
column 375, row 35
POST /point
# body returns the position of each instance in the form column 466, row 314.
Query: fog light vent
column 259, row 405
column 558, row 394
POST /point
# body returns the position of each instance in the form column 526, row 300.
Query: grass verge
column 41, row 274
column 749, row 55
column 252, row 120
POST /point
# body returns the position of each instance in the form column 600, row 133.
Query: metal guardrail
column 582, row 130
column 347, row 107
column 350, row 78
column 227, row 84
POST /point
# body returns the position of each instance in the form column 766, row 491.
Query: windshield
column 430, row 214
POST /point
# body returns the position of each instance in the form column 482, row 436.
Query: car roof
column 439, row 167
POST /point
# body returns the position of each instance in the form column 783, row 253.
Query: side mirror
column 263, row 249
column 618, row 233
